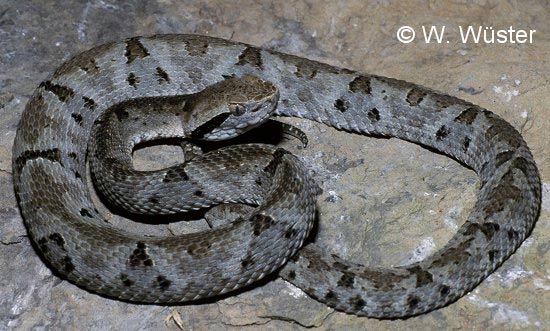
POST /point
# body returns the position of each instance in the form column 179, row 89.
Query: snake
column 195, row 86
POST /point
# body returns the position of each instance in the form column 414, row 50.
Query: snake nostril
column 255, row 109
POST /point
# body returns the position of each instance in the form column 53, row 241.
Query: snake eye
column 236, row 109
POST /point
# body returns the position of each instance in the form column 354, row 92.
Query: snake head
column 231, row 107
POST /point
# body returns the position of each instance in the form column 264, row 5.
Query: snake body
column 49, row 160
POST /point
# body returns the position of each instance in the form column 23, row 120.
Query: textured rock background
column 385, row 201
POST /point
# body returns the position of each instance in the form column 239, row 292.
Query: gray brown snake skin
column 49, row 160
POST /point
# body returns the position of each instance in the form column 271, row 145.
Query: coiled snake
column 207, row 88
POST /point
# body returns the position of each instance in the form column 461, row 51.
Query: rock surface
column 385, row 201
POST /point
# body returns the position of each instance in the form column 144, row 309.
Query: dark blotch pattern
column 139, row 256
column 502, row 129
column 315, row 260
column 277, row 159
column 310, row 290
column 63, row 93
column 423, row 277
column 444, row 290
column 468, row 116
column 162, row 75
column 126, row 281
column 521, row 164
column 135, row 50
column 251, row 56
column 415, row 96
column 305, row 71
column 133, row 80
column 90, row 66
column 331, row 298
column 513, row 235
column 57, row 239
column 175, row 174
column 163, row 283
column 290, row 233
column 492, row 255
column 248, row 261
column 466, row 144
column 68, row 265
column 121, row 114
column 341, row 104
column 196, row 47
column 77, row 118
column 357, row 302
column 488, row 229
column 89, row 103
column 199, row 249
column 454, row 255
column 292, row 275
column 503, row 157
column 53, row 155
column 442, row 132
column 443, row 101
column 346, row 280
column 43, row 245
column 504, row 191
column 373, row 115
column 85, row 212
column 261, row 223
column 360, row 84
column 339, row 266
column 413, row 301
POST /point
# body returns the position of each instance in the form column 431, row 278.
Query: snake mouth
column 209, row 126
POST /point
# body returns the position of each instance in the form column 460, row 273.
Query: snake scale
column 49, row 162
